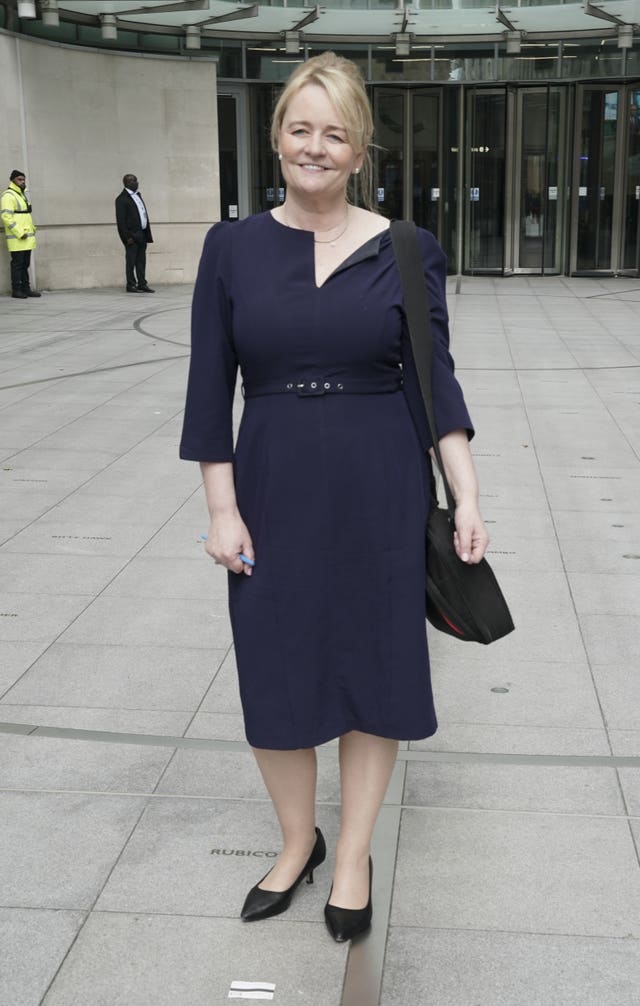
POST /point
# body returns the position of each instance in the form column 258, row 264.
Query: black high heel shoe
column 346, row 923
column 260, row 904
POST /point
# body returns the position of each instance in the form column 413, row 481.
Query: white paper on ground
column 252, row 990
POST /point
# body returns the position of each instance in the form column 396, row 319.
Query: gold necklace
column 320, row 241
column 332, row 241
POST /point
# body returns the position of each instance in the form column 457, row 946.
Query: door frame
column 617, row 231
column 243, row 141
column 515, row 127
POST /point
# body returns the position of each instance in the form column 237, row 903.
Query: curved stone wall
column 76, row 121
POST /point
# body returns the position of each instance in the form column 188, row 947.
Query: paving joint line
column 408, row 755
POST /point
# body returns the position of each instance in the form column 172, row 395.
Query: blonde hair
column 345, row 89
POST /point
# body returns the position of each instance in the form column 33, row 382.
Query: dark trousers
column 136, row 263
column 20, row 270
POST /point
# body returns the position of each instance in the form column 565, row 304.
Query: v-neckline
column 368, row 249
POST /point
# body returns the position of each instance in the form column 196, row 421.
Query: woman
column 320, row 514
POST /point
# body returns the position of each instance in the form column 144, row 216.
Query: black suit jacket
column 128, row 220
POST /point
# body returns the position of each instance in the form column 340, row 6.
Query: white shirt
column 137, row 198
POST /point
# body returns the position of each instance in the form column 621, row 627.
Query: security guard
column 20, row 229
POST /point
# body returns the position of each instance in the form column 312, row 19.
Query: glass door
column 232, row 144
column 389, row 152
column 631, row 209
column 485, row 175
column 407, row 155
column 538, row 181
column 596, row 197
column 426, row 181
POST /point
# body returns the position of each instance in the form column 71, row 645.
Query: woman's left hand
column 471, row 537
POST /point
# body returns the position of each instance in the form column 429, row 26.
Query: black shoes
column 261, row 904
column 145, row 289
column 132, row 289
column 346, row 923
column 19, row 295
column 32, row 293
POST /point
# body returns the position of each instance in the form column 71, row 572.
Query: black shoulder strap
column 418, row 312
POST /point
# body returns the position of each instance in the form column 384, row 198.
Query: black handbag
column 462, row 600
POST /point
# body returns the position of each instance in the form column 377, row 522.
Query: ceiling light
column 192, row 37
column 292, row 42
column 403, row 43
column 514, row 42
column 27, row 9
column 50, row 15
column 108, row 27
column 625, row 36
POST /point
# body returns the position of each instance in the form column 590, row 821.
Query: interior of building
column 514, row 135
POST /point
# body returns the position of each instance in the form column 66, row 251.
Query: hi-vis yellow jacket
column 16, row 217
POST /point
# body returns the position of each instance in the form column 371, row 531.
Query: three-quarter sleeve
column 449, row 405
column 207, row 432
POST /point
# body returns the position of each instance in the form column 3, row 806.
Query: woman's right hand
column 228, row 537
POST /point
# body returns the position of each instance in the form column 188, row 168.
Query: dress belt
column 314, row 386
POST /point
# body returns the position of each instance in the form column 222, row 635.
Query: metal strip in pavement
column 209, row 744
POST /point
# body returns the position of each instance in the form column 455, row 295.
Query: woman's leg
column 290, row 778
column 366, row 764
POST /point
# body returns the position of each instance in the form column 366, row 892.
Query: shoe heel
column 310, row 877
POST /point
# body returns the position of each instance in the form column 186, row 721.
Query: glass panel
column 485, row 181
column 416, row 67
column 597, row 151
column 451, row 154
column 631, row 248
column 388, row 154
column 474, row 61
column 266, row 187
column 228, row 144
column 539, row 181
column 270, row 62
column 426, row 167
column 536, row 61
column 592, row 59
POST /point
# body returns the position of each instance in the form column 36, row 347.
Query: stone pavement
column 132, row 817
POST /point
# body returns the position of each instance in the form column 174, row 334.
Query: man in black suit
column 135, row 233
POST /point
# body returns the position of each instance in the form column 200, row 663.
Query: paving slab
column 34, row 943
column 556, row 789
column 61, row 846
column 49, row 763
column 38, row 618
column 79, row 538
column 156, row 576
column 447, row 968
column 150, row 960
column 494, row 689
column 135, row 722
column 525, row 740
column 151, row 622
column 116, row 676
column 547, row 873
column 201, row 857
column 57, row 574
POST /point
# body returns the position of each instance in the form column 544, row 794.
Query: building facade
column 514, row 135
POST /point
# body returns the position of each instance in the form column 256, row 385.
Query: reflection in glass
column 485, row 181
column 631, row 247
column 426, row 173
column 597, row 150
column 388, row 154
column 228, row 146
column 540, row 181
column 265, row 180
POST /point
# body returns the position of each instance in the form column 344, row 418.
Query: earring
column 279, row 157
column 357, row 171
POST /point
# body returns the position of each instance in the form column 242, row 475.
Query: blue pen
column 241, row 555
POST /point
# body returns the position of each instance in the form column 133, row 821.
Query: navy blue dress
column 331, row 477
